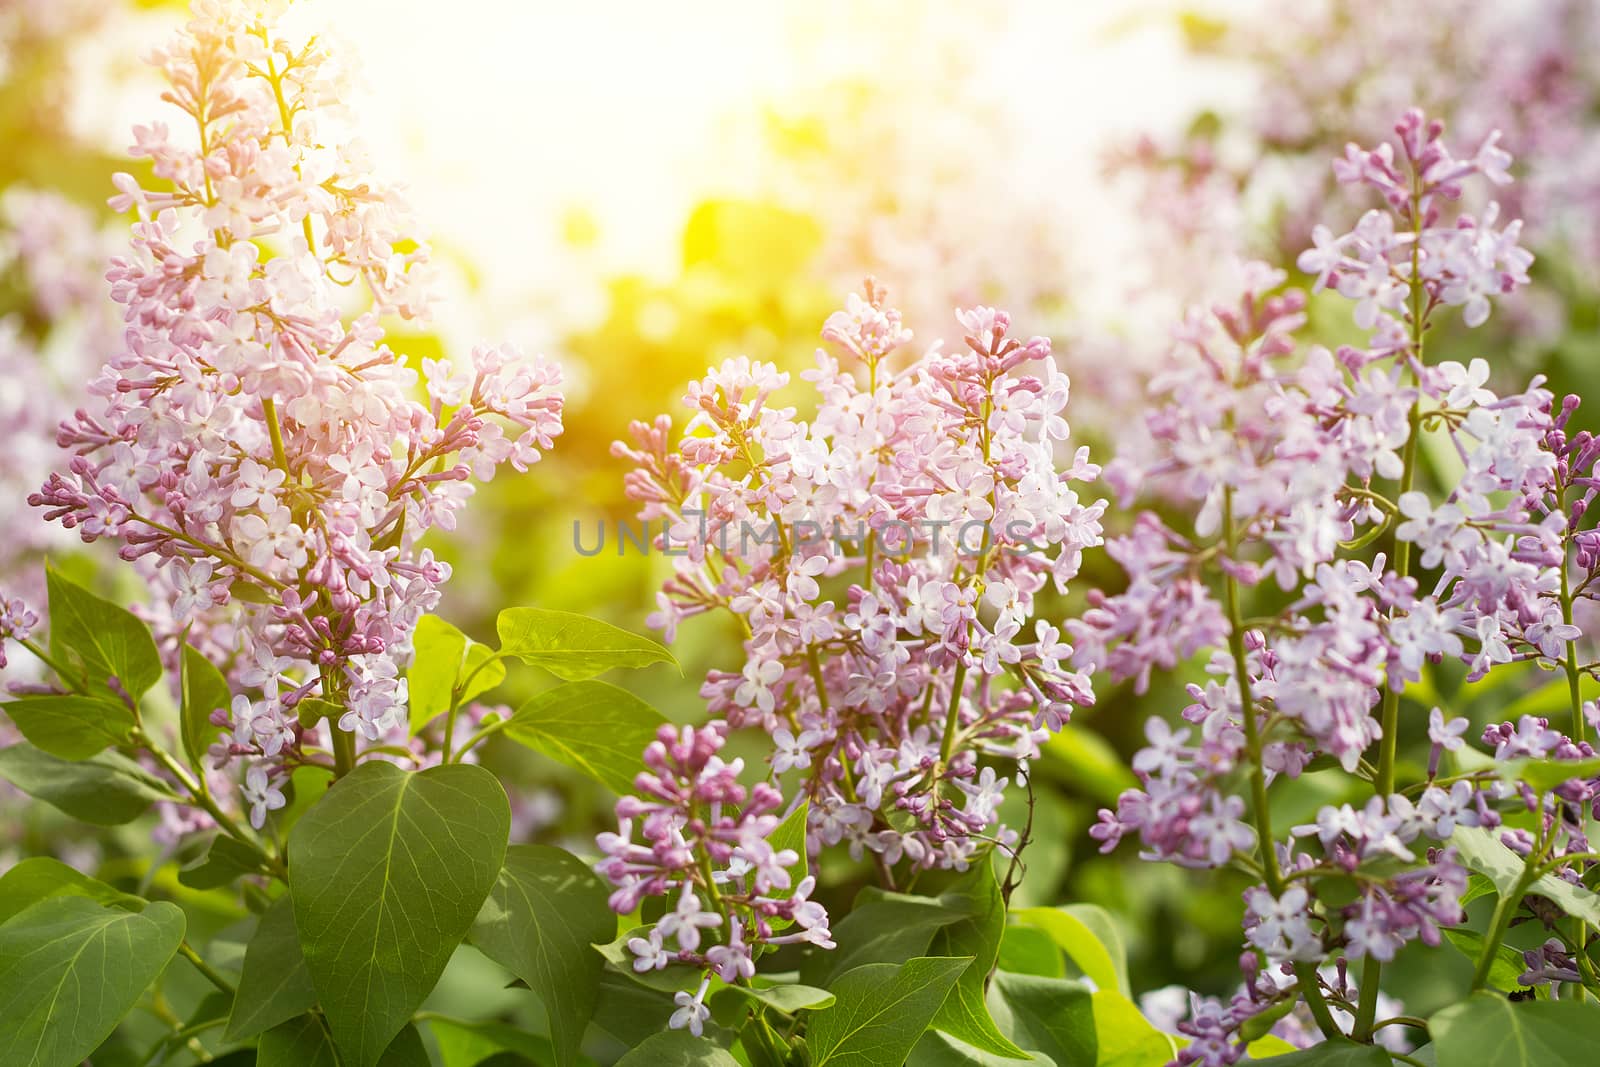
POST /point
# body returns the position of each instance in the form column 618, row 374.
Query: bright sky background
column 504, row 115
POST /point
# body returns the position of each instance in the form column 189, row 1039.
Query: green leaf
column 886, row 929
column 473, row 1044
column 677, row 1048
column 935, row 1049
column 1088, row 935
column 107, row 789
column 668, row 980
column 108, row 640
column 1339, row 1052
column 786, row 998
column 590, row 726
column 791, row 834
column 964, row 1014
column 274, row 986
column 1487, row 1030
column 406, row 1050
column 1543, row 775
column 225, row 862
column 1050, row 1015
column 882, row 1011
column 629, row 1011
column 70, row 726
column 1029, row 950
column 70, row 969
column 1125, row 1036
column 301, row 1042
column 204, row 691
column 387, row 873
column 544, row 914
column 573, row 647
column 1483, row 852
column 1508, row 965
column 40, row 877
column 444, row 657
column 312, row 710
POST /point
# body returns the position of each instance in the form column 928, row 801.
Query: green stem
column 1310, row 986
column 344, row 751
column 1504, row 909
column 44, row 657
column 1383, row 785
column 201, row 798
column 269, row 410
column 952, row 718
column 205, row 968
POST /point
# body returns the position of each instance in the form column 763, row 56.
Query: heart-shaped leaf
column 544, row 915
column 387, row 873
column 70, row 969
column 573, row 647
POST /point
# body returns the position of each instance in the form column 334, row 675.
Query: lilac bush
column 1369, row 566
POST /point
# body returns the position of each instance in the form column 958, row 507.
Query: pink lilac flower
column 269, row 462
column 884, row 559
column 698, row 838
column 1282, row 459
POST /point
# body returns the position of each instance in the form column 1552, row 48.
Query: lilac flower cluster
column 703, row 844
column 885, row 654
column 262, row 456
column 1280, row 462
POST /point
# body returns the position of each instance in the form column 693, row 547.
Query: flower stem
column 211, row 975
column 952, row 718
column 1310, row 988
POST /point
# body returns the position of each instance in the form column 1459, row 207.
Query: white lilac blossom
column 698, row 838
column 269, row 463
column 883, row 559
column 1291, row 464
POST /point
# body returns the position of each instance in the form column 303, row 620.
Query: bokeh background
column 642, row 190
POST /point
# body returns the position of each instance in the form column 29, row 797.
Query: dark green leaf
column 1337, row 1053
column 886, row 929
column 70, row 969
column 406, row 1050
column 590, row 726
column 204, row 691
column 225, row 862
column 1487, row 1030
column 544, row 914
column 301, row 1042
column 677, row 1048
column 629, row 1011
column 786, row 998
column 275, row 986
column 964, row 1014
column 41, row 877
column 1050, row 1015
column 573, row 647
column 472, row 1044
column 1029, row 950
column 387, row 873
column 668, row 980
column 107, row 789
column 70, row 726
column 108, row 640
column 882, row 1011
column 1508, row 965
